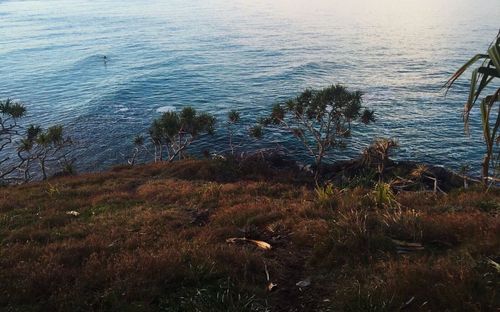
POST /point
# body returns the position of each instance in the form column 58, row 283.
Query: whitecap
column 165, row 109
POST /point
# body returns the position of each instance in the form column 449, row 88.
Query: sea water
column 218, row 55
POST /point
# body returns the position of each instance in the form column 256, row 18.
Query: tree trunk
column 132, row 161
column 26, row 172
column 180, row 144
column 179, row 151
column 317, row 173
column 42, row 167
column 486, row 168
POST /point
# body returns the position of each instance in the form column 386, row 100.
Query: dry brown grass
column 135, row 247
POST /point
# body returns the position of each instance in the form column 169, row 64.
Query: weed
column 139, row 250
column 52, row 190
column 383, row 196
column 492, row 206
column 403, row 224
column 220, row 296
column 326, row 196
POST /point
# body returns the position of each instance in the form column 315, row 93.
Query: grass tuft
column 153, row 238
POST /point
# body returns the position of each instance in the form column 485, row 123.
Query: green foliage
column 482, row 77
column 176, row 131
column 35, row 145
column 52, row 190
column 489, row 206
column 321, row 119
column 138, row 146
column 10, row 112
column 256, row 131
column 233, row 116
column 326, row 196
column 139, row 140
column 365, row 178
column 52, row 136
column 9, row 108
column 46, row 147
column 68, row 168
column 378, row 153
column 32, row 132
column 383, row 196
column 368, row 116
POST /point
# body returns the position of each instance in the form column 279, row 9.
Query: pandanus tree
column 483, row 78
column 46, row 147
column 138, row 145
column 175, row 132
column 321, row 119
column 10, row 113
column 378, row 154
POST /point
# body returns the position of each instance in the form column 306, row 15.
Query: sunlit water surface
column 218, row 55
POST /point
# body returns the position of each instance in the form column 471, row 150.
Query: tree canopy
column 174, row 131
column 321, row 119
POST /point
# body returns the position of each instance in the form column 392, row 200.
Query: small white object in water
column 165, row 109
column 73, row 213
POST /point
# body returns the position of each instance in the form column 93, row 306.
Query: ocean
column 218, row 55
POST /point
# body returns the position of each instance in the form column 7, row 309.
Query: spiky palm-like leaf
column 176, row 131
column 320, row 119
column 481, row 78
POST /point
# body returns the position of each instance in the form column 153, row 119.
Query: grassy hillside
column 153, row 238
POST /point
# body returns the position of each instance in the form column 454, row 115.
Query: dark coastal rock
column 343, row 171
column 357, row 171
column 446, row 179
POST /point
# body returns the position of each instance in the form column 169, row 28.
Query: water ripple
column 219, row 55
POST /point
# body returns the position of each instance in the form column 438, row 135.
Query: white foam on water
column 165, row 109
